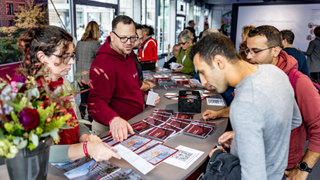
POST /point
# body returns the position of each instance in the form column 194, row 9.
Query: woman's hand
column 93, row 138
column 178, row 69
column 101, row 151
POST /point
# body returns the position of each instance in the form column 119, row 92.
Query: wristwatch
column 304, row 167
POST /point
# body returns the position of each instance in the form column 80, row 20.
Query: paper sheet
column 215, row 102
column 196, row 82
column 152, row 96
column 132, row 158
column 174, row 65
column 184, row 157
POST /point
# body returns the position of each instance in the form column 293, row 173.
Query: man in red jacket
column 115, row 95
column 264, row 47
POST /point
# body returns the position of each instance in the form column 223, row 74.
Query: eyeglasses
column 247, row 50
column 183, row 43
column 125, row 39
column 65, row 59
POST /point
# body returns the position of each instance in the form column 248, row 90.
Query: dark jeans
column 84, row 101
column 315, row 76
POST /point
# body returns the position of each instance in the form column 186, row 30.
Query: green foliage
column 30, row 16
column 9, row 51
column 45, row 113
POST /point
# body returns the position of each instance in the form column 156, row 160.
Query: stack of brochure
column 201, row 129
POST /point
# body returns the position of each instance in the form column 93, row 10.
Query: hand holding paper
column 153, row 99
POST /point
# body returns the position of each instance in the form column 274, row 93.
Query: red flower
column 29, row 118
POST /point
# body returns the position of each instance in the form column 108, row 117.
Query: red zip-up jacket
column 115, row 89
column 148, row 50
column 308, row 101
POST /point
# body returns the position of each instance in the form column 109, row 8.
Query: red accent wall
column 9, row 69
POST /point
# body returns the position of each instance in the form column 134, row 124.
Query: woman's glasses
column 65, row 59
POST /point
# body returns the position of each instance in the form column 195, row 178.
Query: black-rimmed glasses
column 125, row 39
column 247, row 50
column 65, row 59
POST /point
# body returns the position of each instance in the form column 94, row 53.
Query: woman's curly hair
column 47, row 39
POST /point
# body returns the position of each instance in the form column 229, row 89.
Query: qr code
column 182, row 155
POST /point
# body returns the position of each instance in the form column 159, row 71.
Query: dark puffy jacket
column 223, row 166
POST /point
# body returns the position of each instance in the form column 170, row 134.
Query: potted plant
column 31, row 115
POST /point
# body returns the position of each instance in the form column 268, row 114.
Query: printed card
column 215, row 102
column 153, row 121
column 160, row 133
column 172, row 127
column 148, row 145
column 135, row 142
column 166, row 111
column 157, row 153
column 152, row 96
column 178, row 124
column 196, row 82
column 142, row 126
column 171, row 87
column 160, row 117
column 183, row 120
column 111, row 142
column 198, row 130
column 205, row 123
column 183, row 116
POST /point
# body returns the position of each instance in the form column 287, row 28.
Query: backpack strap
column 293, row 78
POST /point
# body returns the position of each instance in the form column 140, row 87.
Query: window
column 196, row 15
column 79, row 17
column 107, row 1
column 126, row 7
column 11, row 23
column 123, row 2
column 9, row 9
column 163, row 28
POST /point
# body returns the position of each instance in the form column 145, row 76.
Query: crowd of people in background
column 273, row 111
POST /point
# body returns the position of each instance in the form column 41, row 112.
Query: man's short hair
column 317, row 31
column 138, row 26
column 121, row 19
column 215, row 44
column 272, row 34
column 176, row 45
column 191, row 21
column 288, row 35
column 208, row 31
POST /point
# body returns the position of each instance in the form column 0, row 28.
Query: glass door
column 102, row 13
column 103, row 16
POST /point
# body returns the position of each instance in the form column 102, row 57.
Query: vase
column 30, row 165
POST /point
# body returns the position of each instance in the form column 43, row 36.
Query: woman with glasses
column 86, row 53
column 148, row 50
column 52, row 47
column 243, row 45
column 185, row 41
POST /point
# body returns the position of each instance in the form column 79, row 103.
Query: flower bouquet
column 31, row 112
